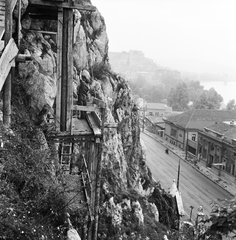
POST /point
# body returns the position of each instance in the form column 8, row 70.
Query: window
column 150, row 113
column 233, row 169
column 173, row 132
column 224, row 161
column 212, row 147
column 156, row 113
column 194, row 137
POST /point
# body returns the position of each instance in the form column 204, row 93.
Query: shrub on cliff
column 32, row 205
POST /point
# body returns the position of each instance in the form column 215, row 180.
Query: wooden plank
column 64, row 70
column 12, row 4
column 43, row 32
column 19, row 23
column 93, row 124
column 69, row 66
column 59, row 68
column 85, row 108
column 63, row 5
column 1, row 45
column 2, row 30
column 97, row 118
column 110, row 125
column 7, row 60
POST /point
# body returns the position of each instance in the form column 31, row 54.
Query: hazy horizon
column 186, row 35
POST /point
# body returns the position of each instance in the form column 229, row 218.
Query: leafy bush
column 31, row 202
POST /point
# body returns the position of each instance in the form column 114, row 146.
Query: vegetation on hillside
column 154, row 83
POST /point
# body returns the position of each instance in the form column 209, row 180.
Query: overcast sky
column 190, row 35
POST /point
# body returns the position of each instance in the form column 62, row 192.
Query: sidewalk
column 200, row 167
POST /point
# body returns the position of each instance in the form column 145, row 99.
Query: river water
column 226, row 89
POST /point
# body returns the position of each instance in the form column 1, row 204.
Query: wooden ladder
column 87, row 199
column 66, row 156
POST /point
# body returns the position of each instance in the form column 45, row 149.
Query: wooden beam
column 110, row 125
column 59, row 68
column 6, row 80
column 23, row 58
column 93, row 124
column 97, row 118
column 70, row 30
column 43, row 32
column 2, row 30
column 19, row 23
column 98, row 180
column 12, row 4
column 1, row 45
column 63, row 5
column 85, row 108
column 7, row 60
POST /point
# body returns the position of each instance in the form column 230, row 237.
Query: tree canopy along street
column 196, row 189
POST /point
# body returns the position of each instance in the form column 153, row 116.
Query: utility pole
column 178, row 175
column 143, row 119
column 186, row 147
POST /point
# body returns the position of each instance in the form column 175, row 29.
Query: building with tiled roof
column 211, row 133
column 217, row 146
column 157, row 109
column 182, row 130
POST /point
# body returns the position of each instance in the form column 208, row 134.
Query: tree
column 178, row 98
column 231, row 105
column 195, row 90
column 222, row 221
column 209, row 99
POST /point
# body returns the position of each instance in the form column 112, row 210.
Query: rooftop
column 156, row 106
column 225, row 129
column 200, row 118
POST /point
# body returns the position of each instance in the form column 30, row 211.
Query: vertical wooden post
column 64, row 71
column 67, row 70
column 70, row 69
column 19, row 23
column 59, row 68
column 98, row 182
column 92, row 169
column 7, row 84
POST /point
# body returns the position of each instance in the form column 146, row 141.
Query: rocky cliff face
column 124, row 157
column 127, row 184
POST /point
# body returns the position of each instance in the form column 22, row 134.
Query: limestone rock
column 39, row 79
column 138, row 211
column 80, row 48
column 154, row 210
column 72, row 234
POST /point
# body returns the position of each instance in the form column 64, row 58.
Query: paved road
column 195, row 188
